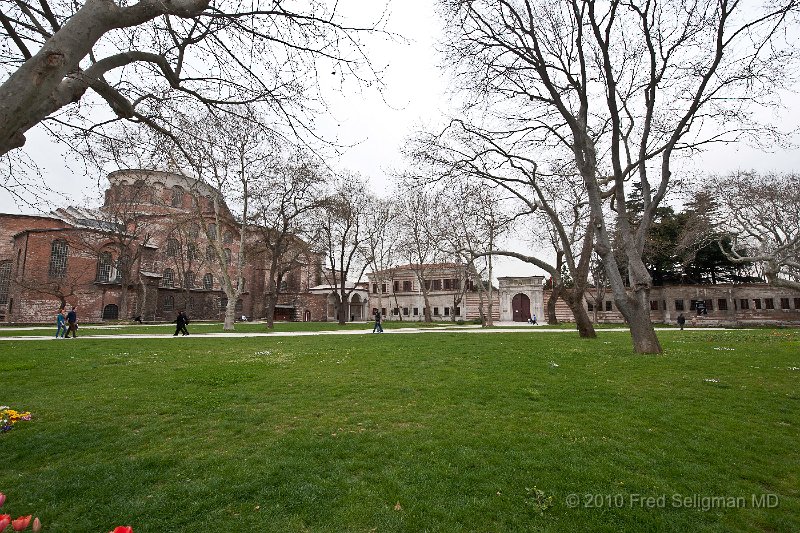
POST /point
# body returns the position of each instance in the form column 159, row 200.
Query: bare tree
column 341, row 229
column 622, row 87
column 760, row 214
column 125, row 228
column 284, row 201
column 418, row 244
column 382, row 238
column 143, row 59
column 229, row 153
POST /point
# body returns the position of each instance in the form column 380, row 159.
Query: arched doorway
column 307, row 316
column 521, row 306
column 110, row 312
column 355, row 308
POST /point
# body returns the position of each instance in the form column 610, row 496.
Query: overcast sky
column 414, row 95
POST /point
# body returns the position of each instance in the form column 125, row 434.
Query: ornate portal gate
column 520, row 297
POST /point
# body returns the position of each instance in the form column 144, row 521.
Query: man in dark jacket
column 181, row 320
column 72, row 321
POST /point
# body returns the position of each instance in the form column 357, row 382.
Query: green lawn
column 331, row 433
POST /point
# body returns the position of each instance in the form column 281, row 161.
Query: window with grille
column 407, row 286
column 169, row 302
column 227, row 256
column 769, row 303
column 104, row 267
column 211, row 231
column 679, row 305
column 193, row 231
column 191, row 252
column 210, row 253
column 177, row 196
column 188, row 280
column 58, row 259
column 228, row 237
column 208, row 281
column 172, row 247
column 722, row 304
column 785, row 303
column 744, row 303
column 5, row 281
column 168, row 279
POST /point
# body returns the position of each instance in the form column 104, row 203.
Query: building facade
column 158, row 244
column 400, row 293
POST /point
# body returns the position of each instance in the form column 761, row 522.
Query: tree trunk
column 642, row 331
column 342, row 305
column 427, row 311
column 230, row 317
column 574, row 299
column 552, row 319
column 272, row 299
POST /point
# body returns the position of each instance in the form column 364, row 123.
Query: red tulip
column 5, row 519
column 21, row 523
column 37, row 525
column 2, row 499
column 123, row 529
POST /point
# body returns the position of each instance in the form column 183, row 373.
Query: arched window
column 173, row 247
column 239, row 307
column 211, row 255
column 177, row 196
column 169, row 302
column 227, row 256
column 168, row 279
column 105, row 267
column 211, row 231
column 58, row 259
column 193, row 231
column 5, row 281
column 191, row 251
column 111, row 312
column 188, row 280
column 208, row 282
column 228, row 238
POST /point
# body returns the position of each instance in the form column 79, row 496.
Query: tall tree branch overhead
column 141, row 57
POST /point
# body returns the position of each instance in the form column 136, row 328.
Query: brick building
column 146, row 251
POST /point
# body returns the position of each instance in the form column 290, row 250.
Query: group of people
column 67, row 322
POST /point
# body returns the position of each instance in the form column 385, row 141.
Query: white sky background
column 414, row 96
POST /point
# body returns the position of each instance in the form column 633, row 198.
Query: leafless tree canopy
column 142, row 60
column 761, row 214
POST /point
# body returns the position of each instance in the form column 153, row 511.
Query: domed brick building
column 147, row 251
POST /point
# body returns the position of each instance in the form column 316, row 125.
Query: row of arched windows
column 173, row 249
column 168, row 280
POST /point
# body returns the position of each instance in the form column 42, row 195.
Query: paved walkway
column 506, row 327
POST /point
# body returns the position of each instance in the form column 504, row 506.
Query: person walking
column 533, row 320
column 378, row 328
column 61, row 323
column 72, row 322
column 180, row 324
column 681, row 320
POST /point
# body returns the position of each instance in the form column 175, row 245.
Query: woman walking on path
column 61, row 324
